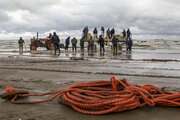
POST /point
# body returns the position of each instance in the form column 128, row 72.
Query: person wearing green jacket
column 90, row 45
column 82, row 44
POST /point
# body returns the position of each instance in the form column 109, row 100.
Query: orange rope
column 105, row 96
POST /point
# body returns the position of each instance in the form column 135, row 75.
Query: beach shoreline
column 42, row 72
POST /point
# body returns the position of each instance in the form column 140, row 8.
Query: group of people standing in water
column 110, row 34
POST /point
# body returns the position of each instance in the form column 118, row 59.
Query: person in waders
column 115, row 43
column 56, row 41
column 82, row 44
column 101, row 42
column 67, row 43
column 74, row 42
column 90, row 45
column 21, row 42
column 130, row 43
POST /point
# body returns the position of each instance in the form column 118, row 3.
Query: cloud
column 143, row 17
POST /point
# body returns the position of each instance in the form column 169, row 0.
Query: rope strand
column 106, row 96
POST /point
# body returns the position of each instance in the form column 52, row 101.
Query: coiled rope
column 106, row 96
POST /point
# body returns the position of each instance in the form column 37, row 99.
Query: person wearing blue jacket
column 67, row 43
column 128, row 34
column 115, row 43
column 130, row 43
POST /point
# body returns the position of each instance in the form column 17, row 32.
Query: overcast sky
column 147, row 19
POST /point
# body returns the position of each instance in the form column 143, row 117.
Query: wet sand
column 38, row 75
column 39, row 72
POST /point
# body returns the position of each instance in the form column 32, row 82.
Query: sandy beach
column 39, row 73
column 90, row 60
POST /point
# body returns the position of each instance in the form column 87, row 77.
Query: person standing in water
column 130, row 43
column 21, row 42
column 115, row 43
column 101, row 42
column 90, row 45
column 55, row 41
column 67, row 43
column 74, row 42
column 82, row 44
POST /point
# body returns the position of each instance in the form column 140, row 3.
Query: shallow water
column 160, row 51
column 163, row 52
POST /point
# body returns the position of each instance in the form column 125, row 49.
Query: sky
column 147, row 19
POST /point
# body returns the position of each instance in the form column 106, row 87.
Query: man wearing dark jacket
column 130, row 43
column 108, row 33
column 21, row 42
column 128, row 34
column 50, row 36
column 102, row 30
column 95, row 32
column 115, row 43
column 124, row 33
column 67, row 43
column 112, row 32
column 82, row 44
column 101, row 42
column 90, row 45
column 85, row 31
column 74, row 42
column 55, row 41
